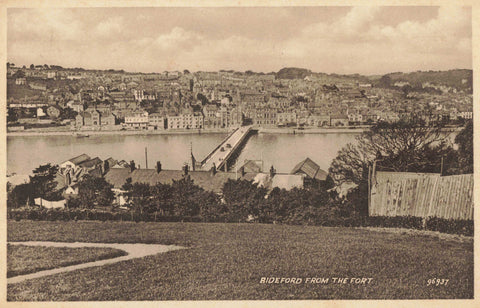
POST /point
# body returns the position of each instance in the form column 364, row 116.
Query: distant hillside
column 461, row 79
column 292, row 73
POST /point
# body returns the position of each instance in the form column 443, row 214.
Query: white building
column 188, row 120
column 136, row 120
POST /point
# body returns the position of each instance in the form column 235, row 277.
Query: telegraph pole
column 146, row 160
column 441, row 167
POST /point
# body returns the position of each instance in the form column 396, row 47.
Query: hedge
column 453, row 226
column 315, row 217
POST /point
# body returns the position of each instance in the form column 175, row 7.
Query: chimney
column 213, row 170
column 68, row 179
column 272, row 171
column 159, row 167
column 106, row 166
column 132, row 166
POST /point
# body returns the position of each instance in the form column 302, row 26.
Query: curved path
column 133, row 251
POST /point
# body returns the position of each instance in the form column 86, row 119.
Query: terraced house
column 94, row 119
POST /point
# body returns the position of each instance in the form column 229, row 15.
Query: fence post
column 369, row 189
column 431, row 201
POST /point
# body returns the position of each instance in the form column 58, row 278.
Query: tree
column 73, row 203
column 406, row 145
column 187, row 197
column 94, row 191
column 464, row 140
column 44, row 182
column 127, row 186
column 67, row 113
column 162, row 198
column 141, row 196
column 385, row 81
column 203, row 99
column 12, row 115
column 32, row 66
column 243, row 198
column 186, row 72
column 20, row 195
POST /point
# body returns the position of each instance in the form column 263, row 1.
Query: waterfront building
column 136, row 120
column 211, row 116
column 265, row 117
column 286, row 118
column 317, row 120
column 94, row 119
column 339, row 120
column 355, row 117
column 156, row 121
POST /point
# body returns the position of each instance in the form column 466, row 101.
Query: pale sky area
column 364, row 40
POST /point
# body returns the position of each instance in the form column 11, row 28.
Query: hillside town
column 74, row 99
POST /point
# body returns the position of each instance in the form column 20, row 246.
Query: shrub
column 310, row 215
column 453, row 226
column 409, row 222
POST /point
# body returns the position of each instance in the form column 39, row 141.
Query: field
column 20, row 91
column 227, row 261
column 27, row 259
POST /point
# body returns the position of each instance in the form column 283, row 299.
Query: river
column 283, row 151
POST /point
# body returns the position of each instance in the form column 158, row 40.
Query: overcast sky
column 365, row 40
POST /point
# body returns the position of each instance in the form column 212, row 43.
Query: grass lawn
column 227, row 261
column 20, row 91
column 23, row 260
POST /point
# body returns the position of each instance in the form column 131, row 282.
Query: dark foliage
column 43, row 183
column 455, row 226
column 464, row 140
column 406, row 145
column 12, row 115
column 93, row 191
column 20, row 195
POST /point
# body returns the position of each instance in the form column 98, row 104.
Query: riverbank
column 316, row 130
column 116, row 132
column 274, row 130
column 270, row 130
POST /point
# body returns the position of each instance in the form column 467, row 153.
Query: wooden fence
column 424, row 196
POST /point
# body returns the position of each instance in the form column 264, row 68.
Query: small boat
column 81, row 135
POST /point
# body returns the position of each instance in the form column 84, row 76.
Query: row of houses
column 91, row 118
column 117, row 172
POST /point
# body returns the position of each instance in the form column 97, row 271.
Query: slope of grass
column 21, row 91
column 23, row 260
column 227, row 261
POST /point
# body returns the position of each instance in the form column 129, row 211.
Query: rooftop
column 79, row 159
column 311, row 169
column 204, row 179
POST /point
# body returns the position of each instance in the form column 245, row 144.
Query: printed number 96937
column 437, row 282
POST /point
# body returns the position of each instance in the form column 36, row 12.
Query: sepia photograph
column 238, row 152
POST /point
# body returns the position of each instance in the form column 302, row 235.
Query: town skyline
column 341, row 40
column 50, row 65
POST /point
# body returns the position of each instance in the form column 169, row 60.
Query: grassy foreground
column 227, row 261
column 23, row 260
